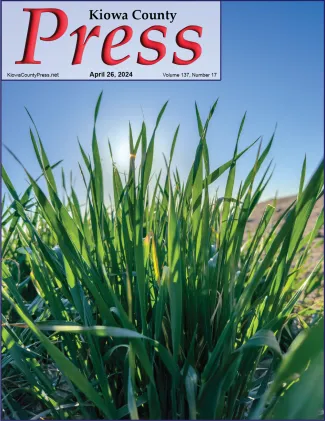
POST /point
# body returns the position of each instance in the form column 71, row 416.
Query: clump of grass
column 156, row 308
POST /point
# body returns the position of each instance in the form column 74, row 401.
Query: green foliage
column 157, row 307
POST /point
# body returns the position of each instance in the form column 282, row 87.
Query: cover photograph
column 162, row 210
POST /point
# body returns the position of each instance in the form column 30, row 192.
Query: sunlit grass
column 156, row 307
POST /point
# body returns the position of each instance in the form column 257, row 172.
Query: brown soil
column 281, row 205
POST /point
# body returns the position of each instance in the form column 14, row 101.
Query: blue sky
column 272, row 67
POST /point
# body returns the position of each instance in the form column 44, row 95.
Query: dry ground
column 282, row 204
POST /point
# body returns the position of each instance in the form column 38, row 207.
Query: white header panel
column 126, row 40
